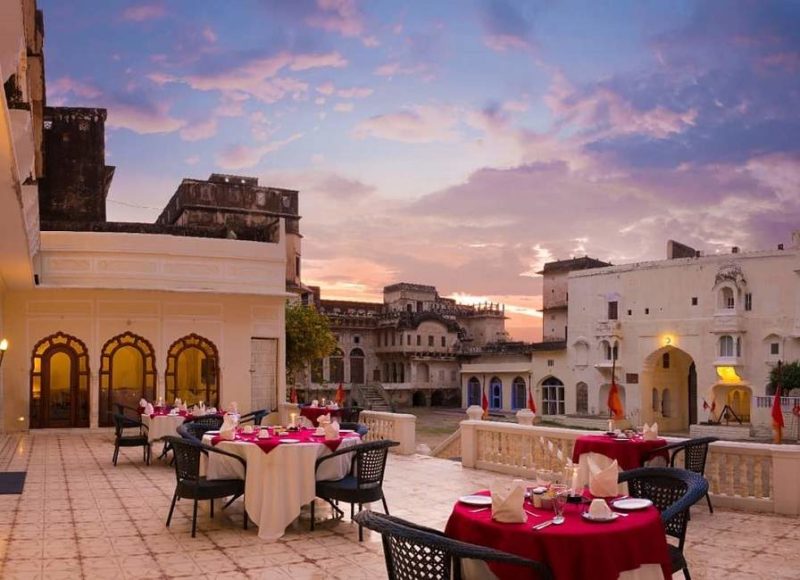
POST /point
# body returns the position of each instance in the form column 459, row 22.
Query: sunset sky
column 459, row 143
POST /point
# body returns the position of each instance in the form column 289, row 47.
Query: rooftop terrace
column 79, row 517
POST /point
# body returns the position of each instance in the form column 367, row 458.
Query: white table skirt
column 278, row 483
column 162, row 425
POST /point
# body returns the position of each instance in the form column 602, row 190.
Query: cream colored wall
column 94, row 316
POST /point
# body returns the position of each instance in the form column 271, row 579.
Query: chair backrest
column 255, row 416
column 351, row 414
column 673, row 491
column 413, row 552
column 695, row 454
column 187, row 458
column 119, row 423
column 192, row 432
column 370, row 462
column 208, row 421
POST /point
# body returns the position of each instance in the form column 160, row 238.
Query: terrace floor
column 80, row 517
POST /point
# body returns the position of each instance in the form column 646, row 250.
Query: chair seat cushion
column 346, row 489
column 676, row 558
column 210, row 488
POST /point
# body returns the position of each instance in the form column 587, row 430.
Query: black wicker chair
column 359, row 428
column 364, row 482
column 131, row 415
column 351, row 414
column 694, row 459
column 412, row 551
column 255, row 416
column 190, row 485
column 673, row 491
column 192, row 432
column 210, row 422
column 121, row 440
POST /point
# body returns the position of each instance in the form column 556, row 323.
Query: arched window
column 336, row 366
column 726, row 299
column 666, row 403
column 665, row 360
column 357, row 366
column 519, row 399
column 605, row 348
column 127, row 374
column 615, row 351
column 193, row 371
column 654, row 401
column 552, row 396
column 495, row 393
column 726, row 346
column 473, row 391
column 582, row 398
column 59, row 395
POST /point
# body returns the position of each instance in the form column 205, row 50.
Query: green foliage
column 308, row 338
column 790, row 378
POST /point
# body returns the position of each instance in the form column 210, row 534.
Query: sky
column 457, row 143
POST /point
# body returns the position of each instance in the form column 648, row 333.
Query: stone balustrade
column 399, row 427
column 748, row 476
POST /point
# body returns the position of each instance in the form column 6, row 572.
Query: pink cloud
column 423, row 124
column 243, row 156
column 393, row 69
column 144, row 119
column 342, row 16
column 343, row 107
column 325, row 60
column 355, row 93
column 200, row 130
column 503, row 43
column 209, row 34
column 326, row 89
column 61, row 87
column 144, row 12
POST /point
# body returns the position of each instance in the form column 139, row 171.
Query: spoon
column 558, row 520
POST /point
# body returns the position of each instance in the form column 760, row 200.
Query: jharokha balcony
column 79, row 516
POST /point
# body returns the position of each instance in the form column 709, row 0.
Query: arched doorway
column 553, row 396
column 357, row 366
column 193, row 371
column 127, row 374
column 59, row 383
column 519, row 393
column 669, row 383
column 495, row 393
column 437, row 398
column 418, row 399
column 473, row 391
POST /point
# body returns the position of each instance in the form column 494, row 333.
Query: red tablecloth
column 303, row 435
column 576, row 549
column 314, row 413
column 629, row 453
column 163, row 412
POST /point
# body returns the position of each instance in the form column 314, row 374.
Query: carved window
column 552, row 397
column 613, row 310
column 473, row 391
column 193, row 370
column 726, row 346
column 519, row 393
column 127, row 373
column 727, row 300
column 582, row 398
column 495, row 393
column 748, row 301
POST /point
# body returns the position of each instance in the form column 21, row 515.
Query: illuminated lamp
column 728, row 375
column 3, row 349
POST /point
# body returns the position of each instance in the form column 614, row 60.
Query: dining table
column 314, row 413
column 629, row 547
column 163, row 422
column 280, row 477
column 592, row 452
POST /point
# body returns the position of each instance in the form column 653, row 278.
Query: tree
column 308, row 337
column 790, row 378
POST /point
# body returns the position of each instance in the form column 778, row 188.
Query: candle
column 610, row 425
column 323, row 401
column 575, row 480
column 293, row 417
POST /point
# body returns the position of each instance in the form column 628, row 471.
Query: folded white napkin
column 324, row 419
column 507, row 500
column 333, row 406
column 228, row 429
column 143, row 403
column 331, row 431
column 650, row 432
column 184, row 407
column 195, row 410
column 178, row 401
column 599, row 508
column 315, row 403
column 233, row 408
column 603, row 482
column 148, row 409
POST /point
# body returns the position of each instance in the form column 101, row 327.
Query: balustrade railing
column 400, row 427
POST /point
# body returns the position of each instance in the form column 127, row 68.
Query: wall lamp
column 3, row 349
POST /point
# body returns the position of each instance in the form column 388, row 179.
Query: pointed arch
column 193, row 370
column 59, row 382
column 127, row 373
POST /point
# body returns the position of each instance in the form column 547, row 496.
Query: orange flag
column 340, row 395
column 484, row 403
column 531, row 402
column 777, row 413
column 614, row 402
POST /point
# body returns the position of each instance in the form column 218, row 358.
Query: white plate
column 286, row 440
column 211, row 433
column 590, row 518
column 346, row 431
column 476, row 499
column 632, row 504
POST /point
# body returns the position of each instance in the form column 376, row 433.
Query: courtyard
column 80, row 517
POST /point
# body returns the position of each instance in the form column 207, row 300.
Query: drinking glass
column 560, row 492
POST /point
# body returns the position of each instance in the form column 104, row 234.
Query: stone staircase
column 373, row 398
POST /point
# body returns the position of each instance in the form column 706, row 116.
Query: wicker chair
column 694, row 459
column 131, row 415
column 190, row 485
column 351, row 414
column 364, row 482
column 121, row 440
column 255, row 416
column 412, row 551
column 192, row 432
column 673, row 491
column 210, row 422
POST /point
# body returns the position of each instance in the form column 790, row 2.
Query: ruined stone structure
column 411, row 345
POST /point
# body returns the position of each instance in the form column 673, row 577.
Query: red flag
column 614, row 402
column 293, row 395
column 340, row 395
column 531, row 402
column 484, row 403
column 777, row 413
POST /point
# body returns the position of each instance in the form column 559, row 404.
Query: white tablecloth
column 278, row 483
column 162, row 425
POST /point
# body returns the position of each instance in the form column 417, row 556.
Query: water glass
column 560, row 492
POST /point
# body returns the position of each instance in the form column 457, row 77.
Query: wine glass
column 560, row 493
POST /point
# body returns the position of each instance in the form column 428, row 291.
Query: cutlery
column 622, row 514
column 483, row 509
column 554, row 522
column 532, row 514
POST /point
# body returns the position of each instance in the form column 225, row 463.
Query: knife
column 542, row 525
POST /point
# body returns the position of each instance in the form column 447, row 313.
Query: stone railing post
column 405, row 431
column 785, row 475
column 525, row 417
column 475, row 413
column 469, row 443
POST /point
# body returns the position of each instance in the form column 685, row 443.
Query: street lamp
column 3, row 349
